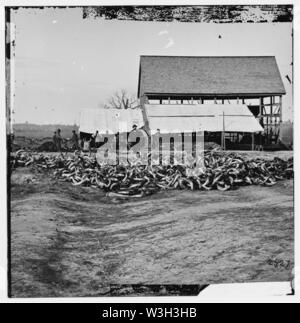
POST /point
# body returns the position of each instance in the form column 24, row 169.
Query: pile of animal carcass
column 222, row 171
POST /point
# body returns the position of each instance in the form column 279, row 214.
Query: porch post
column 280, row 107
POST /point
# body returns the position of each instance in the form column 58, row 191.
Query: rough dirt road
column 74, row 241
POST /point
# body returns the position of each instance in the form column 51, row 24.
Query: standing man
column 59, row 140
column 97, row 140
column 93, row 139
column 87, row 145
column 131, row 144
column 54, row 138
column 155, row 140
column 74, row 140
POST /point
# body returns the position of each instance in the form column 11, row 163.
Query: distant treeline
column 42, row 131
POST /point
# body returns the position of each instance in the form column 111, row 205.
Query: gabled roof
column 248, row 75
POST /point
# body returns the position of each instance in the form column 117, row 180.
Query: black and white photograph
column 150, row 149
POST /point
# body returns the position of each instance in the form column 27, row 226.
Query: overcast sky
column 64, row 63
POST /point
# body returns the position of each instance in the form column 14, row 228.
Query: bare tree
column 122, row 100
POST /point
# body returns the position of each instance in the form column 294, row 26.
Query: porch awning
column 170, row 118
column 109, row 121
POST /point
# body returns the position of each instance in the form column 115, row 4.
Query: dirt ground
column 74, row 241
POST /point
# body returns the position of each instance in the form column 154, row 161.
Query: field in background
column 32, row 136
column 35, row 131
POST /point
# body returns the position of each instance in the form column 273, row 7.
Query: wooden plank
column 274, row 104
column 232, row 96
column 272, row 115
column 271, row 105
column 280, row 102
column 277, row 110
column 223, row 133
column 264, row 110
column 146, row 121
column 187, row 116
column 261, row 103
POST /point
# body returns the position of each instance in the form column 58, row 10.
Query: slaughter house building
column 235, row 95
